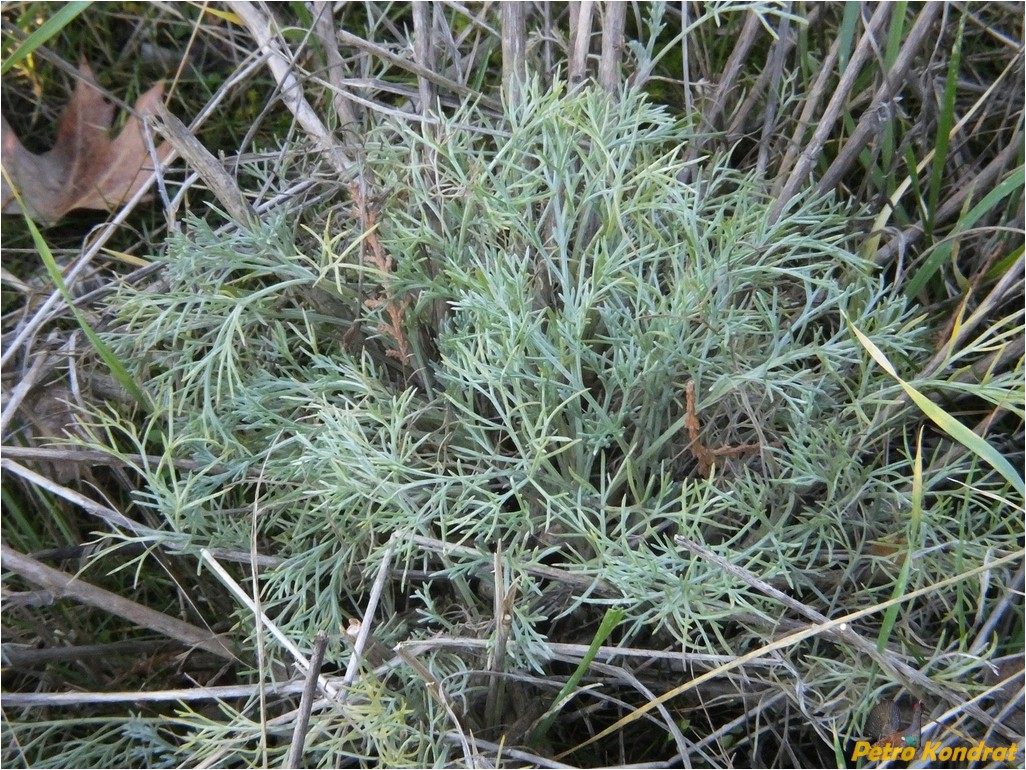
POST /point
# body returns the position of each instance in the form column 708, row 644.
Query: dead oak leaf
column 85, row 169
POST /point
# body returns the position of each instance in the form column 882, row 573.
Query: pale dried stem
column 832, row 113
column 259, row 25
column 386, row 55
column 502, row 602
column 685, row 57
column 16, row 656
column 300, row 659
column 443, row 699
column 25, row 384
column 954, row 201
column 1010, row 283
column 115, row 518
column 738, row 57
column 63, row 585
column 580, row 41
column 185, row 695
column 514, row 52
column 325, row 31
column 809, row 105
column 756, row 93
column 96, row 457
column 682, row 661
column 915, row 680
column 775, row 72
column 598, row 587
column 876, row 115
column 502, row 750
column 424, row 54
column 745, row 719
column 1011, row 595
column 612, row 45
column 368, row 616
column 836, row 628
column 220, row 183
column 684, row 747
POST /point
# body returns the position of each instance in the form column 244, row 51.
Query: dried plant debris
column 85, row 169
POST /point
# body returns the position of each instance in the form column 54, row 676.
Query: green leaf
column 945, row 121
column 116, row 368
column 610, row 621
column 975, row 444
column 1012, row 183
column 47, row 30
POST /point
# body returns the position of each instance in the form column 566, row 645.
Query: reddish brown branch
column 375, row 255
column 705, row 456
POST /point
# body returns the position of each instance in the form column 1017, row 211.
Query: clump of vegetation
column 574, row 434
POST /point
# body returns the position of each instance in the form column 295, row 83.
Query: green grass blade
column 1004, row 264
column 1012, row 183
column 901, row 584
column 945, row 121
column 897, row 30
column 116, row 368
column 975, row 444
column 913, row 174
column 47, row 30
column 610, row 621
column 849, row 25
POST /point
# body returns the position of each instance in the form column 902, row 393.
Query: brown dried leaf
column 85, row 169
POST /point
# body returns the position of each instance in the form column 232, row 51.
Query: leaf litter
column 85, row 169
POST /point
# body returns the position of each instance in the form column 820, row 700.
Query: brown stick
column 580, row 41
column 612, row 46
column 324, row 28
column 514, row 49
column 224, row 188
column 295, row 758
column 873, row 118
column 424, row 53
column 705, row 456
column 61, row 584
column 832, row 113
column 745, row 40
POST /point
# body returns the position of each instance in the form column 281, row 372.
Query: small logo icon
column 885, row 725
